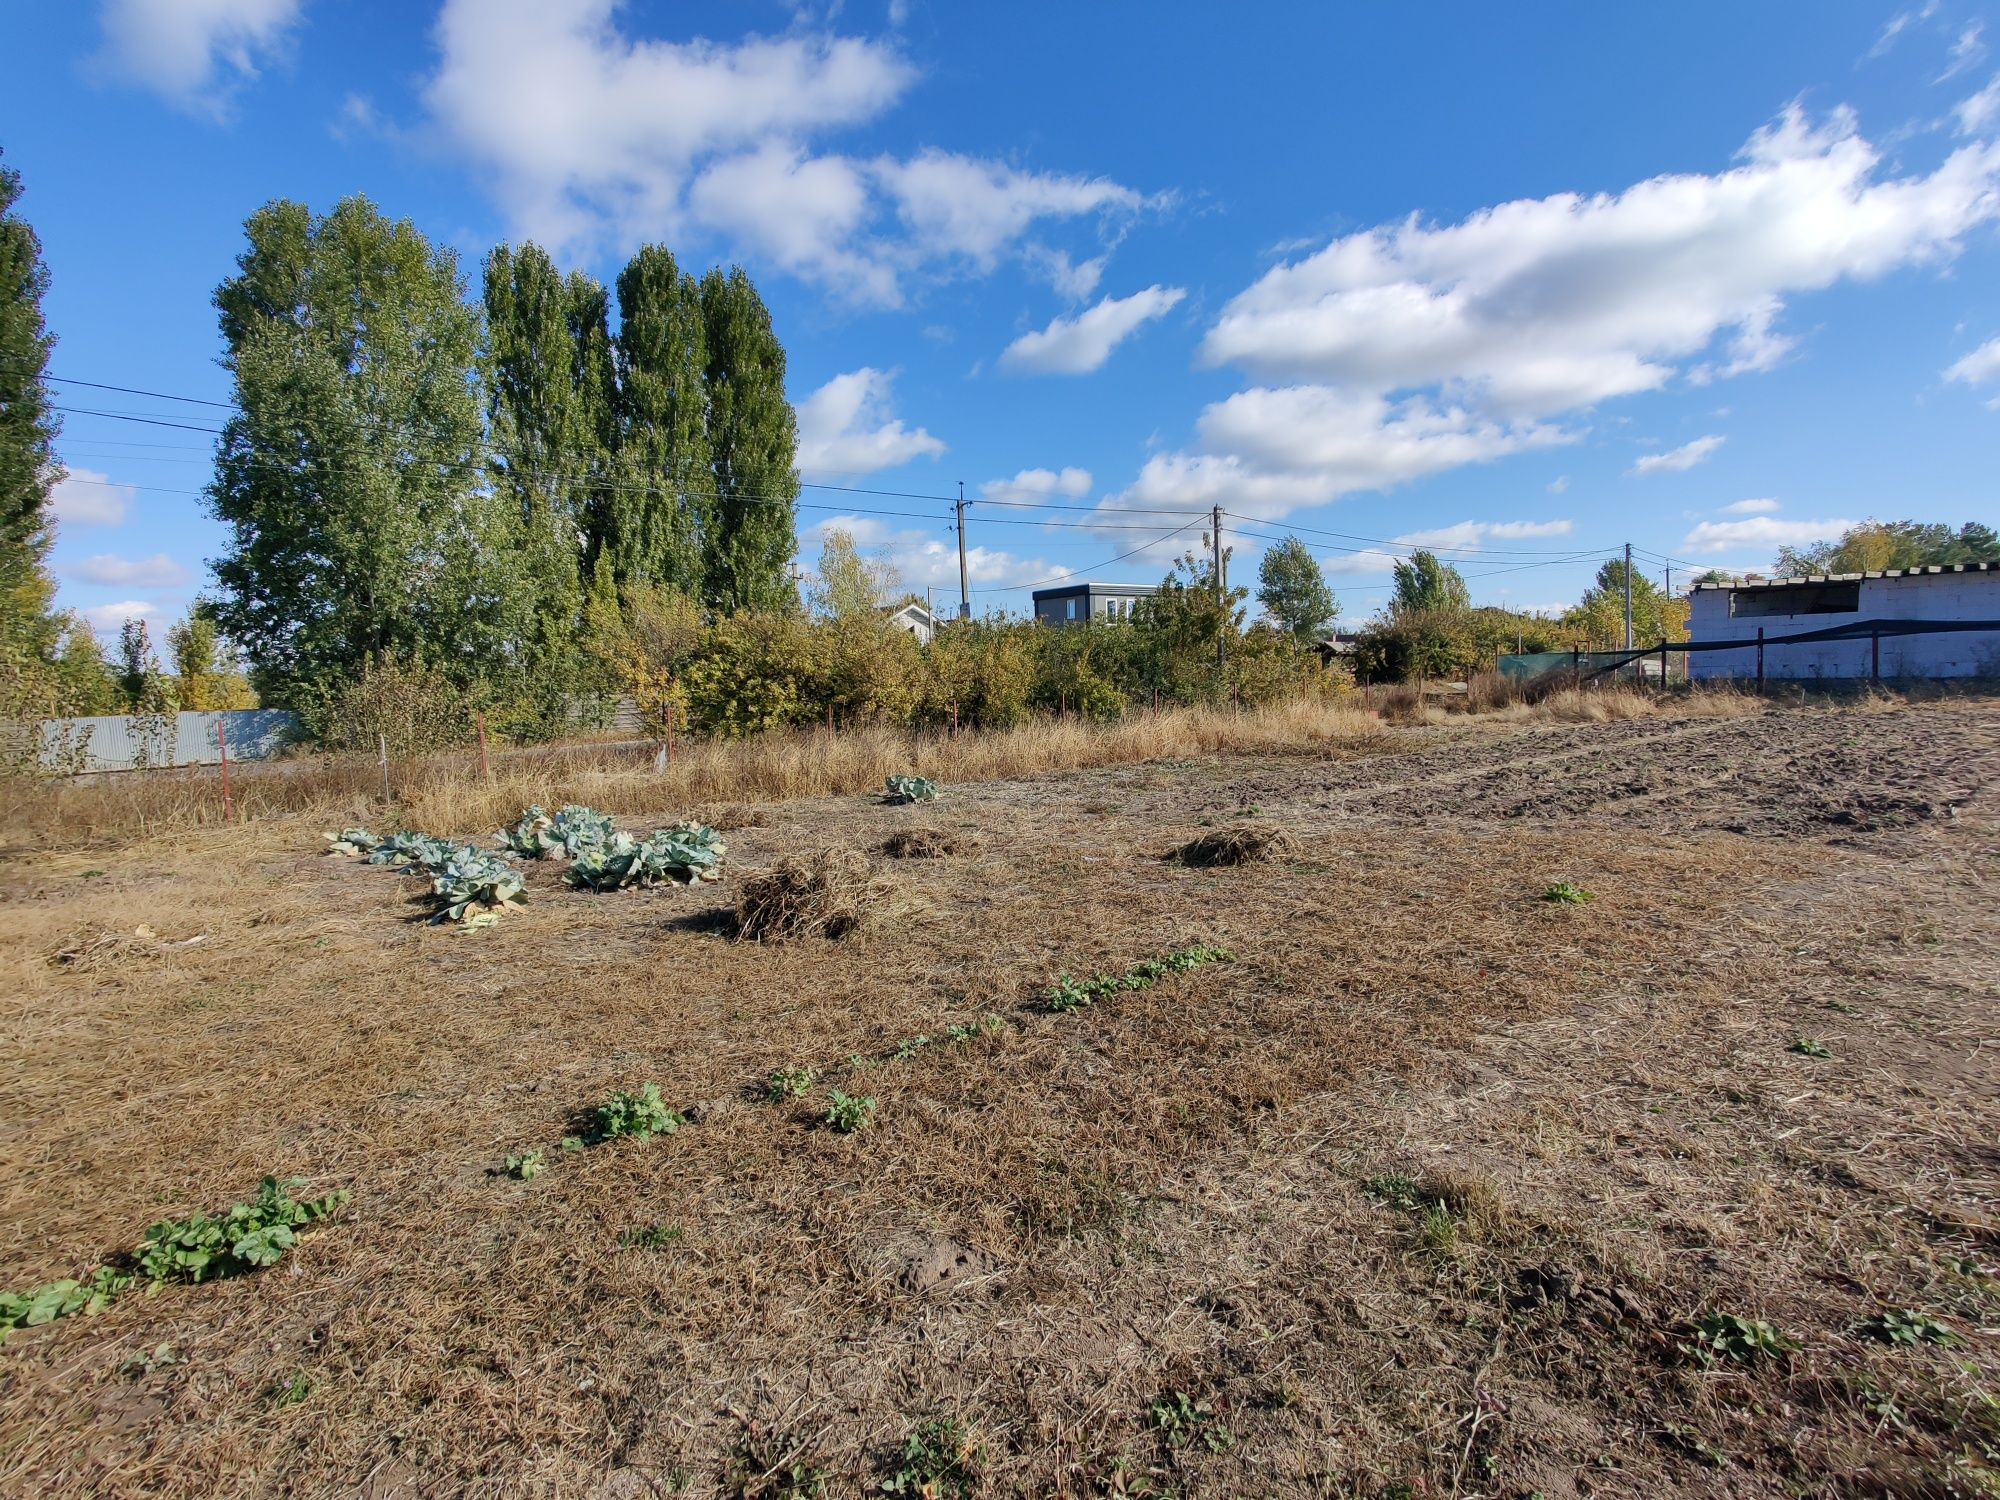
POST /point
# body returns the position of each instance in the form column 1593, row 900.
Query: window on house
column 1069, row 609
column 1796, row 599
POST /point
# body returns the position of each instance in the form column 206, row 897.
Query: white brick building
column 1968, row 592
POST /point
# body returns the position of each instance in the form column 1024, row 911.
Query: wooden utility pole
column 1221, row 597
column 964, row 582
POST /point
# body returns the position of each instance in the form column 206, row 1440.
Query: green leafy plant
column 349, row 843
column 939, row 1459
column 1807, row 1046
column 1566, row 893
column 788, row 1083
column 965, row 1031
column 1072, row 994
column 1397, row 1191
column 1897, row 1325
column 641, row 1116
column 411, row 851
column 908, row 1048
column 474, row 888
column 847, row 1114
column 1182, row 1420
column 681, row 855
column 911, row 789
column 650, row 1237
column 526, row 1166
column 1841, row 1007
column 1437, row 1229
column 62, row 1299
column 1741, row 1340
column 573, row 829
column 247, row 1237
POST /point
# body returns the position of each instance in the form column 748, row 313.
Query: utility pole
column 964, row 583
column 1221, row 605
column 1628, row 596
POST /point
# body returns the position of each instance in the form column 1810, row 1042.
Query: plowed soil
column 1436, row 1187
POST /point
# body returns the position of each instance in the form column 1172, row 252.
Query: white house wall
column 1927, row 596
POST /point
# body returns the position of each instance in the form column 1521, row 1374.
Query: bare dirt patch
column 1057, row 1226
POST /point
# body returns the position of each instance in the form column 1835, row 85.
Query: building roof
column 1078, row 590
column 1778, row 583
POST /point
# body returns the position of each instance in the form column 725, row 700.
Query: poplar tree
column 348, row 474
column 31, row 630
column 657, row 512
column 753, row 440
column 542, row 444
column 594, row 375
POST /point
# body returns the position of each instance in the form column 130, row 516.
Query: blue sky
column 1524, row 282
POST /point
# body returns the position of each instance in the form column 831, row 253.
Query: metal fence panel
column 137, row 742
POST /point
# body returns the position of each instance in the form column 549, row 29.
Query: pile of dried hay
column 817, row 897
column 923, row 843
column 1235, row 846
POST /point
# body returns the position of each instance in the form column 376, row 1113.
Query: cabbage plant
column 352, row 843
column 573, row 829
column 474, row 887
column 684, row 854
column 912, row 789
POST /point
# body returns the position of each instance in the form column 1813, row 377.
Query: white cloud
column 1981, row 364
column 1367, row 561
column 1073, row 279
column 1039, row 483
column 922, row 558
column 1674, row 460
column 1551, row 304
column 1966, row 51
column 1979, row 111
column 1750, row 508
column 1475, row 533
column 1079, row 345
column 156, row 572
column 195, row 53
column 845, row 427
column 106, row 619
column 1559, row 484
column 589, row 134
column 88, row 498
column 1760, row 532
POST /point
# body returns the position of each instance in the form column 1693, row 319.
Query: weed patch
column 787, row 1083
column 939, row 1459
column 1740, row 1340
column 1566, row 893
column 1070, row 994
column 1182, row 1421
column 1898, row 1325
column 847, row 1114
column 641, row 1116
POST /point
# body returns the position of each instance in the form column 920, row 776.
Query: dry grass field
column 1435, row 1188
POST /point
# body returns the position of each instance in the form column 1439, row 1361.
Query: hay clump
column 819, row 896
column 923, row 843
column 1235, row 846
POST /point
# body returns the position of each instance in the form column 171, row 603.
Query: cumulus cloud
column 89, row 498
column 1750, row 508
column 589, row 135
column 156, row 572
column 1079, row 345
column 1675, row 459
column 1071, row 483
column 1552, row 304
column 922, row 558
column 1975, row 114
column 1760, row 532
column 107, row 619
column 195, row 54
column 1981, row 364
column 1411, row 349
column 1265, row 452
column 846, row 427
column 1557, row 485
column 1475, row 533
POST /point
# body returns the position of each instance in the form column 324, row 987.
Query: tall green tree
column 848, row 585
column 658, row 515
column 360, row 529
column 1423, row 582
column 1292, row 588
column 546, row 455
column 32, row 631
column 753, row 440
column 1874, row 546
column 594, row 377
column 1597, row 622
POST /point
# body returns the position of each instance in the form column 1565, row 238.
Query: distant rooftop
column 1773, row 583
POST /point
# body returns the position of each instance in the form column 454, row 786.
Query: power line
column 126, row 390
column 1015, row 588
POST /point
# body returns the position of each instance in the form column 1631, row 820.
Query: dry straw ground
column 1422, row 1194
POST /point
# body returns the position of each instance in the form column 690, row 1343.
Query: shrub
column 415, row 707
column 641, row 1116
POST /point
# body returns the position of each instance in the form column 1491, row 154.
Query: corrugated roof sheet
column 1938, row 568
